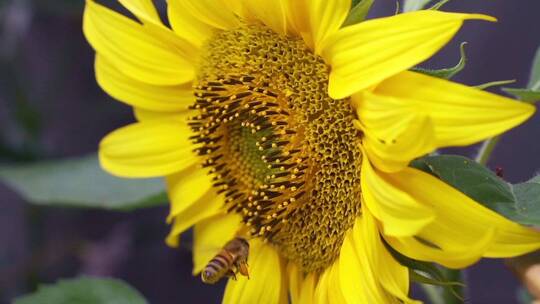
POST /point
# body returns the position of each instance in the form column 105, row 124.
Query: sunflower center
column 285, row 154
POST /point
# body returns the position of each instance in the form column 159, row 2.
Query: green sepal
column 531, row 93
column 447, row 73
column 425, row 272
column 415, row 5
column 526, row 95
column 419, row 277
column 358, row 12
column 494, row 84
column 517, row 202
column 438, row 5
column 80, row 182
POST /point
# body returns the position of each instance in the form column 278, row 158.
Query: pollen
column 284, row 154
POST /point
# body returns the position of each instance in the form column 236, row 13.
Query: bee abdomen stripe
column 221, row 261
column 212, row 266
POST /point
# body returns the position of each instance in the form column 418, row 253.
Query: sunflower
column 273, row 121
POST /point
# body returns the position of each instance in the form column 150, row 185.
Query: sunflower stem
column 487, row 149
column 455, row 294
column 433, row 293
column 450, row 294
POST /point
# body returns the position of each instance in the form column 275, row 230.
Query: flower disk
column 285, row 154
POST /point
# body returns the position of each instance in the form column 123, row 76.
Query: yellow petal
column 272, row 13
column 307, row 292
column 140, row 94
column 181, row 116
column 351, row 270
column 321, row 290
column 187, row 187
column 143, row 9
column 368, row 273
column 317, row 20
column 238, row 8
column 461, row 115
column 357, row 282
column 295, row 282
column 147, row 149
column 298, row 18
column 335, row 294
column 186, row 25
column 267, row 282
column 392, row 138
column 463, row 230
column 393, row 277
column 453, row 255
column 209, row 205
column 398, row 212
column 214, row 13
column 210, row 235
column 364, row 54
column 189, row 28
column 513, row 240
column 150, row 54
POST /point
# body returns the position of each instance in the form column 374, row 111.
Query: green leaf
column 358, row 12
column 80, row 182
column 449, row 72
column 519, row 202
column 526, row 95
column 84, row 290
column 532, row 92
column 527, row 197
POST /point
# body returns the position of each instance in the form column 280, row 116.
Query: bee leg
column 243, row 268
column 232, row 274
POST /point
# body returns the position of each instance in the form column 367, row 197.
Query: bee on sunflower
column 282, row 130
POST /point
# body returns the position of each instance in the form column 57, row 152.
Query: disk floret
column 283, row 153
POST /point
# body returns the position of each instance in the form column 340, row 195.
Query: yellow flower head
column 275, row 124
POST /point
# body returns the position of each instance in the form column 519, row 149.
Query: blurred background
column 51, row 108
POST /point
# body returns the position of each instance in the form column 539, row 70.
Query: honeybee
column 229, row 261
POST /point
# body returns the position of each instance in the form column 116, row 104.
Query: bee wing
column 203, row 252
column 201, row 255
